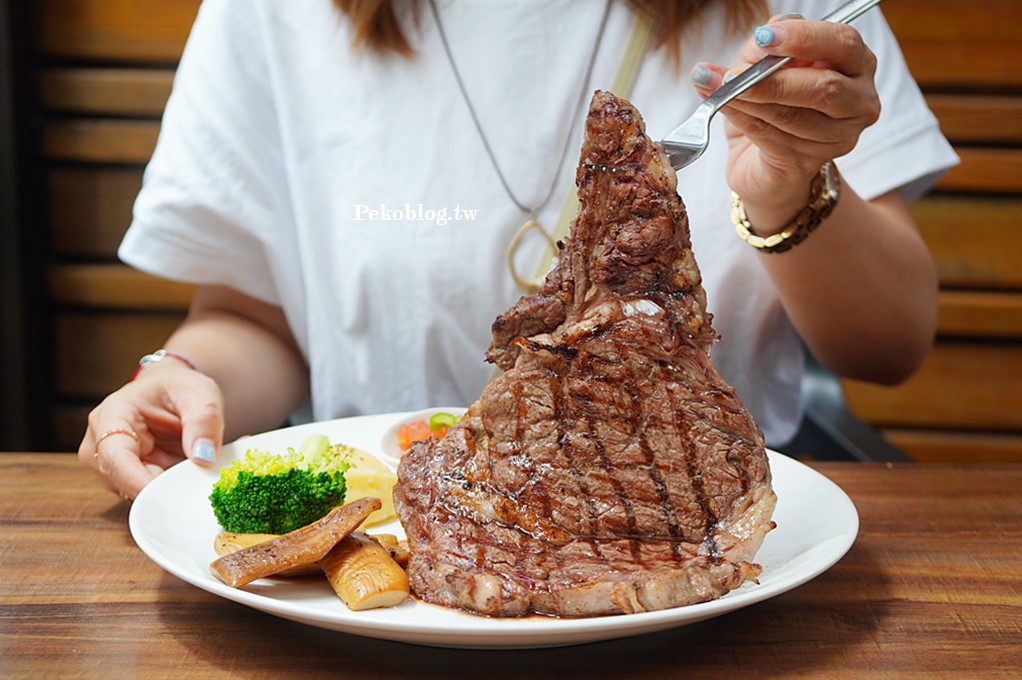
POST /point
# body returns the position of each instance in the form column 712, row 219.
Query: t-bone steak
column 609, row 468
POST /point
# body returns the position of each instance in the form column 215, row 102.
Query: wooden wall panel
column 99, row 140
column 980, row 314
column 129, row 31
column 976, row 241
column 96, row 353
column 995, row 119
column 985, row 170
column 962, row 385
column 114, row 286
column 90, row 208
column 68, row 425
column 936, row 446
column 106, row 91
column 106, row 69
column 955, row 44
column 965, row 404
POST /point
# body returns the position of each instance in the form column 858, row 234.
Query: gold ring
column 109, row 433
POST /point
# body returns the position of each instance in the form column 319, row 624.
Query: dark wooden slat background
column 106, row 72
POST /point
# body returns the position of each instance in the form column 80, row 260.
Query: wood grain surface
column 931, row 589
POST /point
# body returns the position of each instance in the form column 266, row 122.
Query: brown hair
column 376, row 24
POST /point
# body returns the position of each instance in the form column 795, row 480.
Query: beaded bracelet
column 160, row 355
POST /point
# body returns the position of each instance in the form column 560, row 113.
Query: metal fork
column 690, row 139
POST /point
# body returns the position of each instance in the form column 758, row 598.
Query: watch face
column 831, row 182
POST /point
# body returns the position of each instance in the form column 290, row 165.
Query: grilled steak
column 609, row 469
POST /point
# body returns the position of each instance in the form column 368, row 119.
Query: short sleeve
column 905, row 147
column 212, row 194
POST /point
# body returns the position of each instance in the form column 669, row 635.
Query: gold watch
column 823, row 195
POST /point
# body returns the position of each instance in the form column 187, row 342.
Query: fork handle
column 766, row 66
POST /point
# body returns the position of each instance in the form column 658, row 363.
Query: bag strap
column 624, row 82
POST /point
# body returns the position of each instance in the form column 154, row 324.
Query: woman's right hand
column 168, row 413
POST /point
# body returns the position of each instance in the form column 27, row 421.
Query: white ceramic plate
column 173, row 524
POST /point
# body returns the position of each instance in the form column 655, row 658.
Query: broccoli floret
column 265, row 493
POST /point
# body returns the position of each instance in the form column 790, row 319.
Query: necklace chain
column 479, row 128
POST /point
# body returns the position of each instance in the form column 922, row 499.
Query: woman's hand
column 171, row 409
column 862, row 290
column 252, row 376
column 811, row 111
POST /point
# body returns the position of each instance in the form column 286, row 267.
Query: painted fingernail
column 203, row 450
column 791, row 15
column 729, row 76
column 701, row 75
column 766, row 36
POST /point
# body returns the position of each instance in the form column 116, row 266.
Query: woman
column 346, row 210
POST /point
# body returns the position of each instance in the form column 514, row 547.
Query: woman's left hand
column 811, row 111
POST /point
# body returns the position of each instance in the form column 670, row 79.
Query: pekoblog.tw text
column 413, row 213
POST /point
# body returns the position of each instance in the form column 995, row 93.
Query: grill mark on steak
column 626, row 503
column 673, row 528
column 682, row 423
column 609, row 469
column 569, row 448
column 743, row 473
column 517, row 451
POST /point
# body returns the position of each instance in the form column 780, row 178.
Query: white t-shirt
column 354, row 192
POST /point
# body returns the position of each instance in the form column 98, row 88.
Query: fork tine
column 689, row 141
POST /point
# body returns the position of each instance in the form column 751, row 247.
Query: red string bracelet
column 160, row 355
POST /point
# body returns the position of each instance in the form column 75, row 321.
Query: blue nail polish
column 203, row 450
column 763, row 36
column 701, row 75
column 791, row 15
column 729, row 76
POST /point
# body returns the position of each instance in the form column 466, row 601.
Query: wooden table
column 932, row 588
